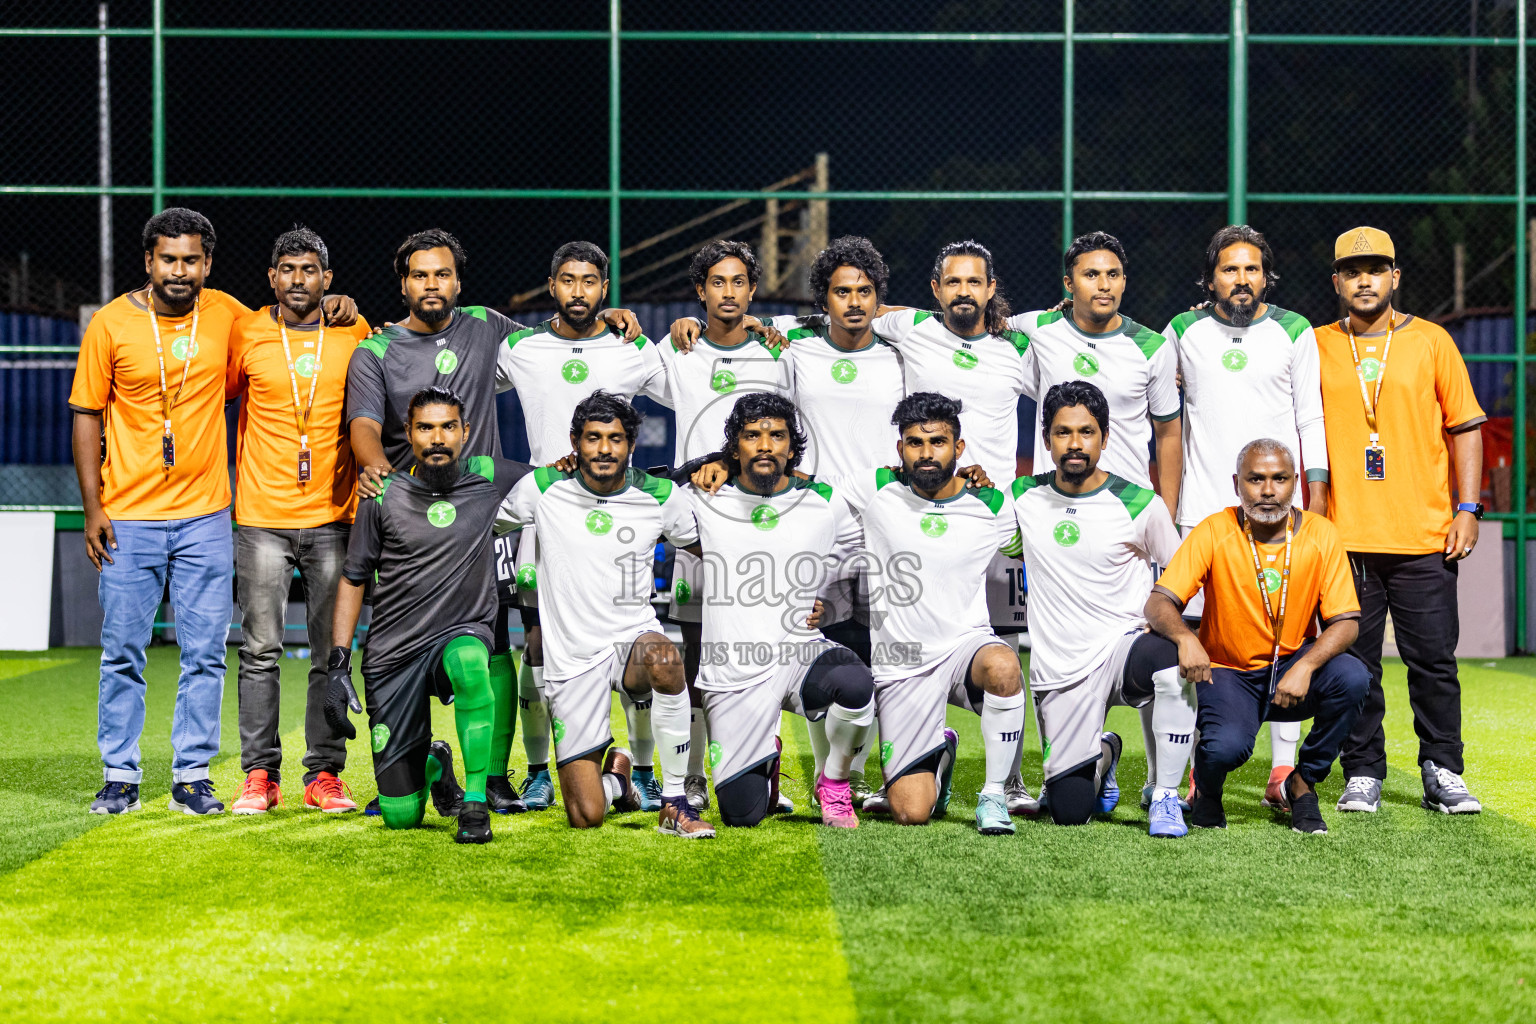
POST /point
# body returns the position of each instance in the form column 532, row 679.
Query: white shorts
column 743, row 724
column 910, row 710
column 580, row 707
column 687, row 603
column 527, row 571
column 1072, row 717
column 1005, row 594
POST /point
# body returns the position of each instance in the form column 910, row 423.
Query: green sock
column 407, row 811
column 504, row 717
column 467, row 663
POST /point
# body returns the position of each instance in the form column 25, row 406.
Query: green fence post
column 1068, row 77
column 1522, row 303
column 1237, row 115
column 157, row 107
column 613, row 152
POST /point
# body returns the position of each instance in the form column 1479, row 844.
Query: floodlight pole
column 1522, row 342
column 1068, row 79
column 157, row 107
column 613, row 152
column 1237, row 115
column 104, row 156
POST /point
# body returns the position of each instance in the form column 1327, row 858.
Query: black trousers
column 1420, row 592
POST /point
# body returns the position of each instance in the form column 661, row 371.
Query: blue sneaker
column 650, row 789
column 195, row 798
column 372, row 810
column 538, row 791
column 1109, row 789
column 992, row 815
column 947, row 773
column 116, row 798
column 1146, row 798
column 1166, row 819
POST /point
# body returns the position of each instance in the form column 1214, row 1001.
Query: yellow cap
column 1363, row 241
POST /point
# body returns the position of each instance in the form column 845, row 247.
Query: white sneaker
column 1361, row 793
column 1017, row 795
column 877, row 802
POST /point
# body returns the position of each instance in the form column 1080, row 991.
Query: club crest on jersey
column 1234, row 359
column 305, row 365
column 886, row 750
column 527, row 577
column 441, row 514
column 446, row 361
column 965, row 359
column 1271, row 580
column 844, row 371
column 715, row 754
column 379, row 737
column 599, row 522
column 557, row 729
column 765, row 517
column 180, row 349
column 682, row 591
column 933, row 525
column 1085, row 364
column 1067, row 533
column 1370, row 368
column 574, row 371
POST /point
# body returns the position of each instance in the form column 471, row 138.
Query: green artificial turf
column 1400, row 916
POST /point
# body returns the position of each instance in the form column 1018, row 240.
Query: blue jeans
column 197, row 557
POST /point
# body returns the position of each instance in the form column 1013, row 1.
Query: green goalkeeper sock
column 503, row 720
column 467, row 663
column 407, row 811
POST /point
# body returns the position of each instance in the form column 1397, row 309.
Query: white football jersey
column 1241, row 384
column 926, row 567
column 553, row 375
column 1136, row 368
column 702, row 387
column 1089, row 561
column 987, row 373
column 765, row 558
column 595, row 558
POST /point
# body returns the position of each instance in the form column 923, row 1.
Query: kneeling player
column 1089, row 540
column 427, row 536
column 598, row 529
column 930, row 540
column 767, row 539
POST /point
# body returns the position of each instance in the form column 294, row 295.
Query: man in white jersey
column 598, row 531
column 929, row 540
column 554, row 366
column 1090, row 540
column 702, row 386
column 1136, row 369
column 1250, row 370
column 769, row 539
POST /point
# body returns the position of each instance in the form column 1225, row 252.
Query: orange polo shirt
column 1235, row 628
column 1426, row 392
column 118, row 376
column 267, row 488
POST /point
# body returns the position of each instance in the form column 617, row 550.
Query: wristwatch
column 1475, row 508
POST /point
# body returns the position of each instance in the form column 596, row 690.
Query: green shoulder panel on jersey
column 640, row 342
column 1146, row 339
column 383, row 486
column 1181, row 323
column 378, row 344
column 1294, row 323
column 1018, row 339
column 546, row 476
column 481, row 465
column 1134, row 497
column 991, row 497
column 478, row 312
column 517, row 336
column 1050, row 316
column 658, row 487
column 801, row 483
column 885, row 477
column 799, row 333
column 919, row 316
column 1025, row 483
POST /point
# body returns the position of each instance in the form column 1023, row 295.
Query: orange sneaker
column 258, row 795
column 329, row 794
column 1274, row 793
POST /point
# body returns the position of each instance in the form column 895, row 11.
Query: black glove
column 339, row 692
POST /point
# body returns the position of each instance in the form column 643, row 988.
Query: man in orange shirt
column 1393, row 387
column 1268, row 569
column 151, row 376
column 295, row 495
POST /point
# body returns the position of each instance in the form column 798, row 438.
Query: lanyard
column 1371, row 401
column 1276, row 617
column 301, row 415
column 166, row 400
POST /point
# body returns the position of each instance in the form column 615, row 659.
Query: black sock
column 534, row 769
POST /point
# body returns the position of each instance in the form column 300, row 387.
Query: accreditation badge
column 1375, row 462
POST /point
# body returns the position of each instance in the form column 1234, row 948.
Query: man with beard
column 1267, row 570
column 1250, row 370
column 930, row 539
column 598, row 530
column 296, row 495
column 554, row 366
column 156, row 496
column 1394, row 512
column 1090, row 541
column 425, row 541
column 768, row 539
column 446, row 345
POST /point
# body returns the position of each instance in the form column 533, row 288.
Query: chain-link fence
column 650, row 128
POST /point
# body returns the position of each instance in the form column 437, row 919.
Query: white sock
column 1283, row 738
column 642, row 741
column 1149, row 740
column 613, row 788
column 848, row 729
column 533, row 713
column 1002, row 726
column 1173, row 718
column 818, row 734
column 698, row 741
column 669, row 718
column 860, row 756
